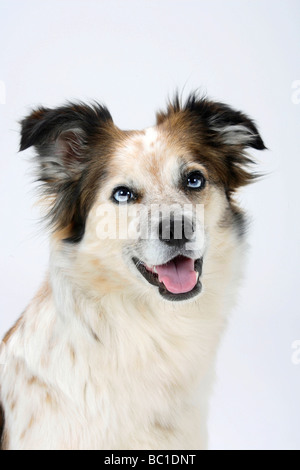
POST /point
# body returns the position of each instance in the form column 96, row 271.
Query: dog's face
column 171, row 186
column 156, row 188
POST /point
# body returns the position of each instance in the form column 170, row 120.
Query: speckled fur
column 99, row 360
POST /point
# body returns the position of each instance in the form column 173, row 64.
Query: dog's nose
column 176, row 232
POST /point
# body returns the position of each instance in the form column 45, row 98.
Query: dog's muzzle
column 177, row 280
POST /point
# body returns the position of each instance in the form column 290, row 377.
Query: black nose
column 176, row 232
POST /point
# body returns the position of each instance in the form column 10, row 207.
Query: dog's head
column 140, row 208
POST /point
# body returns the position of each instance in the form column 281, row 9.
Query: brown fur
column 224, row 163
column 190, row 123
column 18, row 324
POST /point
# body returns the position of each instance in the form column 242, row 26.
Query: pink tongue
column 178, row 275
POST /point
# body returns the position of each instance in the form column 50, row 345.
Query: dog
column 117, row 349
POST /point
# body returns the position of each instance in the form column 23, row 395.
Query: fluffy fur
column 100, row 359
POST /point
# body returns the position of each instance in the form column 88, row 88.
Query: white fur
column 235, row 134
column 145, row 385
column 100, row 361
column 150, row 138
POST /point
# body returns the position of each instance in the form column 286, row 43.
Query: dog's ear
column 218, row 123
column 62, row 138
column 66, row 140
column 233, row 127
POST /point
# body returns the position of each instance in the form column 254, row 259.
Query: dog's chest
column 84, row 391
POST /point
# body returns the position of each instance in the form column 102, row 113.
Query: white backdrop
column 132, row 54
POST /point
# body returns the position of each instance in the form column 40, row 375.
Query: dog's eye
column 123, row 195
column 195, row 180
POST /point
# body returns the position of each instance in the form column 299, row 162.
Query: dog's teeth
column 155, row 270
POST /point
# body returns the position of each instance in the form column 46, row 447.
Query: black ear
column 65, row 139
column 233, row 127
column 61, row 137
column 218, row 123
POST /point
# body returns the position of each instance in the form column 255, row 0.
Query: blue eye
column 195, row 180
column 123, row 195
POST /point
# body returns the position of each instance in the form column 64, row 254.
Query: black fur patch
column 236, row 218
column 240, row 221
column 45, row 124
column 72, row 144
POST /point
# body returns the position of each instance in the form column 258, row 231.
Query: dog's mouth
column 179, row 279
